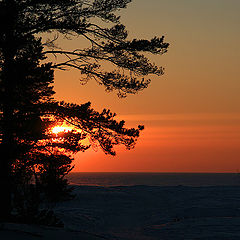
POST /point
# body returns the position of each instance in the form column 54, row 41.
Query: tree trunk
column 8, row 146
column 8, row 77
column 5, row 181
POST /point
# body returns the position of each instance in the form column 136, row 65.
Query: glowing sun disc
column 59, row 129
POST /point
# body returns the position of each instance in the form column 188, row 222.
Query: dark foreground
column 141, row 213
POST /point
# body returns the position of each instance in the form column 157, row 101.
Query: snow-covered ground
column 142, row 213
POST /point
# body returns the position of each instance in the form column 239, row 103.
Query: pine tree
column 28, row 110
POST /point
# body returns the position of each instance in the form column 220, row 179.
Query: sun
column 59, row 129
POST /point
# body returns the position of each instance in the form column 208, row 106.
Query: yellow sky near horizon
column 191, row 113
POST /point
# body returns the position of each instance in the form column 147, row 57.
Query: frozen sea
column 143, row 206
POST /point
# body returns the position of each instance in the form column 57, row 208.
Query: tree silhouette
column 25, row 86
column 28, row 110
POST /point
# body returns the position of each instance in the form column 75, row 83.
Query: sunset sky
column 192, row 113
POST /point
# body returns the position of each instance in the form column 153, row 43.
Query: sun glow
column 59, row 129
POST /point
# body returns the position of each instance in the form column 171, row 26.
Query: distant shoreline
column 167, row 172
column 153, row 179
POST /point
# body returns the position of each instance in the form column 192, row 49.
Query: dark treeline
column 34, row 160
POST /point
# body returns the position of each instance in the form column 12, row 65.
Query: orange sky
column 192, row 113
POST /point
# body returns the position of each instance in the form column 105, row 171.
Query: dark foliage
column 35, row 159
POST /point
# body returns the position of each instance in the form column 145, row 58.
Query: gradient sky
column 192, row 112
